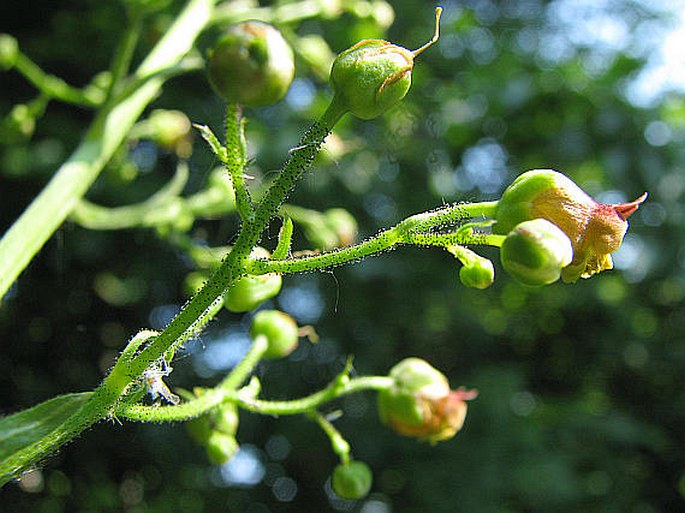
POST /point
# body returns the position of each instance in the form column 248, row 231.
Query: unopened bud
column 478, row 274
column 352, row 480
column 9, row 51
column 171, row 129
column 280, row 330
column 342, row 224
column 535, row 252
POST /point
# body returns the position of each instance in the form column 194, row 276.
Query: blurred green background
column 582, row 397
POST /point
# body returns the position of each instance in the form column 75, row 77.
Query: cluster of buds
column 539, row 253
column 421, row 404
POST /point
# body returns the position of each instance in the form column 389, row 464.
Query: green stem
column 71, row 181
column 311, row 402
column 156, row 210
column 194, row 312
column 212, row 398
column 55, row 87
column 246, row 365
column 452, row 215
column 413, row 230
column 232, row 12
column 340, row 446
column 124, row 53
column 185, row 411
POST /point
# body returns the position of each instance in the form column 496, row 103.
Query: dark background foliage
column 581, row 390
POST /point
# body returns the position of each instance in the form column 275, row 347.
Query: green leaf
column 212, row 140
column 29, row 426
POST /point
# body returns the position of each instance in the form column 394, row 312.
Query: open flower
column 596, row 230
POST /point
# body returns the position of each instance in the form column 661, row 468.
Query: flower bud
column 251, row 64
column 420, row 403
column 373, row 75
column 249, row 292
column 280, row 331
column 478, row 274
column 9, row 52
column 535, row 252
column 352, row 480
column 221, row 447
column 595, row 229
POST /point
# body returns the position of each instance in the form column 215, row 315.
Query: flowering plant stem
column 193, row 316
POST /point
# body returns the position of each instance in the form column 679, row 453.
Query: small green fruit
column 373, row 75
column 251, row 64
column 353, row 480
column 280, row 330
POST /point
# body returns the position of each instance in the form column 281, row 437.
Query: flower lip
column 625, row 210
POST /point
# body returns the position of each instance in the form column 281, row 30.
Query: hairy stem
column 413, row 230
column 213, row 397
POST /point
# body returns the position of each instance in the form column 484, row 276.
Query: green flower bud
column 352, row 480
column 280, row 330
column 373, row 75
column 9, row 51
column 478, row 274
column 249, row 292
column 420, row 404
column 221, row 447
column 251, row 64
column 535, row 252
column 595, row 229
